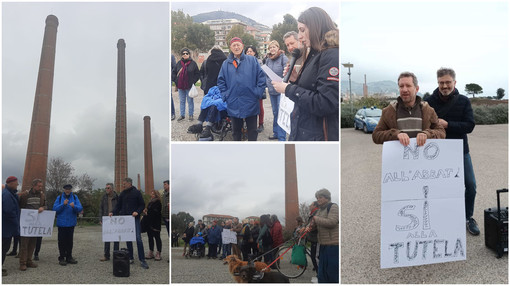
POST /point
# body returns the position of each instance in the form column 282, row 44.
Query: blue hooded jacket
column 197, row 240
column 242, row 87
column 66, row 215
column 10, row 213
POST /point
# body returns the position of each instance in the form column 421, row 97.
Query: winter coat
column 213, row 97
column 214, row 235
column 264, row 240
column 154, row 215
column 103, row 210
column 130, row 201
column 165, row 211
column 242, row 87
column 23, row 199
column 459, row 116
column 327, row 224
column 277, row 65
column 387, row 128
column 66, row 215
column 189, row 234
column 193, row 73
column 255, row 230
column 10, row 213
column 316, row 96
column 196, row 240
column 210, row 69
column 277, row 234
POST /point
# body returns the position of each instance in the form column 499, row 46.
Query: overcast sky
column 85, row 84
column 385, row 38
column 248, row 179
column 264, row 12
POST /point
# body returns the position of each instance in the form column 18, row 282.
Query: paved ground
column 88, row 249
column 360, row 206
column 179, row 128
column 211, row 270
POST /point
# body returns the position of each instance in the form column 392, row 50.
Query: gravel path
column 180, row 128
column 87, row 250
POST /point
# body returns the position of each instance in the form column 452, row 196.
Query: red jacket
column 277, row 234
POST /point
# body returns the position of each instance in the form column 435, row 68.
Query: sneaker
column 150, row 255
column 191, row 118
column 158, row 256
column 71, row 261
column 173, row 116
column 180, row 118
column 472, row 226
column 315, row 280
column 206, row 134
column 261, row 128
column 62, row 262
column 104, row 258
column 195, row 129
column 36, row 257
column 144, row 265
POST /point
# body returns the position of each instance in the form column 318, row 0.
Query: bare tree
column 59, row 174
column 304, row 211
column 84, row 183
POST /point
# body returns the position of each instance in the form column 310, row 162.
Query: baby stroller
column 196, row 247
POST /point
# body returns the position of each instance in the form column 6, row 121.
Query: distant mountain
column 228, row 15
column 380, row 87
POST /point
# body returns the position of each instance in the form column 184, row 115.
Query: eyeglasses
column 185, row 54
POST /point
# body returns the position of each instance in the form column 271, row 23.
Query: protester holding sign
column 131, row 203
column 10, row 215
column 315, row 93
column 108, row 203
column 408, row 117
column 33, row 199
column 456, row 117
column 67, row 206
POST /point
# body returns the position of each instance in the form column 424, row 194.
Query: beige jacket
column 327, row 225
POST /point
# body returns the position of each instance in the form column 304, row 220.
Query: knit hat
column 323, row 193
column 11, row 179
column 236, row 39
column 68, row 187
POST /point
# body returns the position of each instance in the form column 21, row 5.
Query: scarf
column 183, row 81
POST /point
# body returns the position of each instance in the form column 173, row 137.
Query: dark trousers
column 213, row 250
column 139, row 242
column 254, row 249
column 167, row 222
column 313, row 253
column 154, row 235
column 6, row 243
column 328, row 264
column 251, row 125
column 246, row 249
column 107, row 248
column 65, row 242
column 38, row 246
column 15, row 244
column 26, row 249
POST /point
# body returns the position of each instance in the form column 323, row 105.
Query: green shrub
column 490, row 114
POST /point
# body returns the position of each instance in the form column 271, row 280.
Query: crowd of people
column 261, row 239
column 67, row 207
column 313, row 85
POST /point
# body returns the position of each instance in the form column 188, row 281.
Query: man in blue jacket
column 67, row 206
column 131, row 202
column 456, row 116
column 10, row 215
column 214, row 239
column 242, row 82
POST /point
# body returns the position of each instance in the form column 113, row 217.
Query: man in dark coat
column 108, row 203
column 131, row 203
column 214, row 237
column 456, row 116
column 10, row 215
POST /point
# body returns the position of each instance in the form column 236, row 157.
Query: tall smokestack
column 291, row 188
column 39, row 139
column 147, row 151
column 121, row 159
column 138, row 186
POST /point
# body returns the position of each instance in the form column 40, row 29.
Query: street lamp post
column 349, row 66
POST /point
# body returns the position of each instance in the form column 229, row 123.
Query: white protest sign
column 422, row 203
column 228, row 236
column 119, row 228
column 286, row 108
column 36, row 224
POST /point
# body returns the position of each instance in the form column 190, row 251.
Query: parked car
column 367, row 119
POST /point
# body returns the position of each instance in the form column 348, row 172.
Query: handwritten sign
column 228, row 236
column 119, row 228
column 286, row 108
column 35, row 224
column 422, row 203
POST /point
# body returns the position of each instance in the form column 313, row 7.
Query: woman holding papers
column 315, row 93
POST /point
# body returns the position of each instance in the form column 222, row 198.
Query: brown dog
column 235, row 264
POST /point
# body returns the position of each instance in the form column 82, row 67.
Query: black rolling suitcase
column 121, row 263
column 496, row 227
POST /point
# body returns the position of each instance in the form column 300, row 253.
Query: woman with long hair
column 185, row 74
column 315, row 93
column 153, row 217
